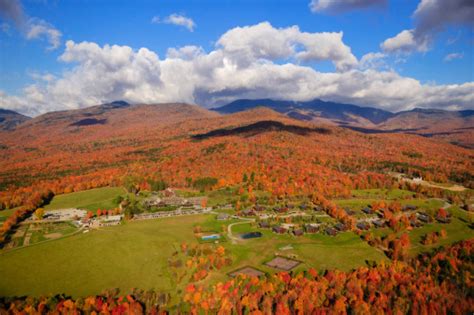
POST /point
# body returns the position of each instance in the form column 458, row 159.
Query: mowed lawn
column 93, row 199
column 133, row 255
column 344, row 251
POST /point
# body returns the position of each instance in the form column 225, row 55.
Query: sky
column 390, row 54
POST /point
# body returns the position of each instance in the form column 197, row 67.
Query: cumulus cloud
column 373, row 61
column 176, row 19
column 263, row 41
column 430, row 18
column 452, row 56
column 405, row 42
column 340, row 6
column 39, row 29
column 98, row 74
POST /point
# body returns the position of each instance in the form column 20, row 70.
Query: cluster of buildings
column 167, row 214
column 78, row 217
column 169, row 198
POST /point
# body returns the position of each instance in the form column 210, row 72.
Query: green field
column 135, row 255
column 4, row 214
column 93, row 199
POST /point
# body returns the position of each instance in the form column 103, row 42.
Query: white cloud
column 452, row 56
column 405, row 42
column 176, row 19
column 373, row 61
column 99, row 74
column 430, row 18
column 39, row 29
column 263, row 41
column 340, row 6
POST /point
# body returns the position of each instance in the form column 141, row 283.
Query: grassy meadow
column 93, row 199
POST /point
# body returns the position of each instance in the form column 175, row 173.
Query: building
column 423, row 217
column 409, row 208
column 331, row 231
column 378, row 223
column 311, row 228
column 368, row 210
column 223, row 216
column 110, row 220
column 443, row 219
column 248, row 212
column 340, row 227
column 264, row 225
column 279, row 229
column 349, row 211
column 298, row 232
column 363, row 225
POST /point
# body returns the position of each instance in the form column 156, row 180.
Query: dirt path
column 233, row 238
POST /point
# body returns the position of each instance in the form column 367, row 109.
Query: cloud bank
column 243, row 64
column 430, row 18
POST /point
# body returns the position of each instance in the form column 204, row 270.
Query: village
column 292, row 218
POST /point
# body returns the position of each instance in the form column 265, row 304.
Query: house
column 409, row 208
column 368, row 210
column 264, row 225
column 172, row 201
column 423, row 217
column 331, row 231
column 443, row 219
column 259, row 208
column 222, row 216
column 248, row 212
column 311, row 228
column 340, row 227
column 468, row 207
column 195, row 201
column 279, row 229
column 298, row 232
column 281, row 209
column 363, row 225
column 110, row 220
column 378, row 223
column 168, row 192
column 348, row 211
column 318, row 208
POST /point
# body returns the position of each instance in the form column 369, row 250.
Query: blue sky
column 128, row 23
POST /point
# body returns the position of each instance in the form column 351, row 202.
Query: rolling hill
column 78, row 149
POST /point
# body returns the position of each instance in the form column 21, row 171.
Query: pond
column 247, row 236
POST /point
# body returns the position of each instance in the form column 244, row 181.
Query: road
column 233, row 238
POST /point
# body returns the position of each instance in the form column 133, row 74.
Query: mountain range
column 456, row 127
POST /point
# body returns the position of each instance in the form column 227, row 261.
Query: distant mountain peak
column 9, row 119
